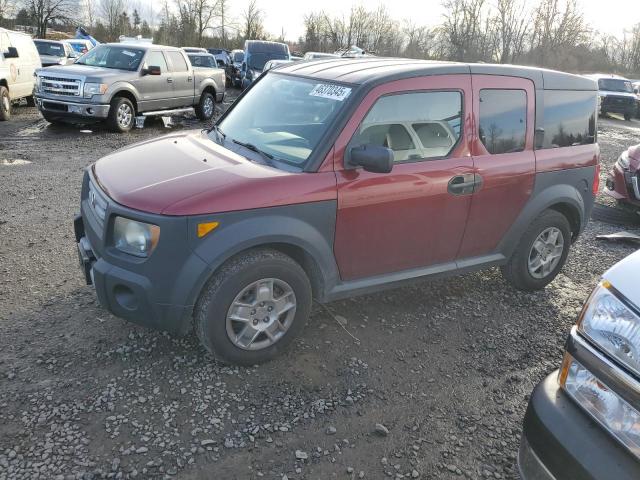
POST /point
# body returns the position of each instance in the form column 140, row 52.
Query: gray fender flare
column 560, row 194
column 122, row 87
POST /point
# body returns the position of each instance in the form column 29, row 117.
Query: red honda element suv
column 337, row 177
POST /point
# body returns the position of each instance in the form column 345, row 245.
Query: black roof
column 361, row 71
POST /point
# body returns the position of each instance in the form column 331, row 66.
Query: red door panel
column 404, row 219
column 507, row 178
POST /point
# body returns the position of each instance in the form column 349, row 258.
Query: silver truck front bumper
column 71, row 109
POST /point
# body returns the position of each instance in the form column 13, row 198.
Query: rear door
column 502, row 148
column 182, row 78
column 415, row 215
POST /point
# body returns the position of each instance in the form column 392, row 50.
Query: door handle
column 189, row 79
column 169, row 80
column 464, row 184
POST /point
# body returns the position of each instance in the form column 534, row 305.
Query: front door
column 504, row 160
column 156, row 90
column 415, row 215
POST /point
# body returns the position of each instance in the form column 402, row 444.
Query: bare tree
column 253, row 21
column 7, row 8
column 513, row 26
column 46, row 11
column 89, row 12
column 111, row 13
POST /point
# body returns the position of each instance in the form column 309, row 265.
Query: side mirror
column 12, row 52
column 373, row 158
column 153, row 70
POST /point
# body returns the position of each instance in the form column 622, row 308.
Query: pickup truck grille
column 70, row 87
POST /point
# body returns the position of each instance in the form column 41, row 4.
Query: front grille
column 68, row 87
column 97, row 203
column 613, row 101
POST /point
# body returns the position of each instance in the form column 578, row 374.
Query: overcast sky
column 610, row 16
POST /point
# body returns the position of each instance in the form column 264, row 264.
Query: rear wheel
column 541, row 253
column 5, row 104
column 253, row 307
column 121, row 115
column 206, row 107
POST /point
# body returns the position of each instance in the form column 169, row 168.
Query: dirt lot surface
column 445, row 367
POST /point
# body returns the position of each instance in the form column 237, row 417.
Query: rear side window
column 156, row 59
column 503, row 120
column 177, row 62
column 569, row 118
column 415, row 126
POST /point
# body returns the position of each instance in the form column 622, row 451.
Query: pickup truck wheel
column 253, row 307
column 5, row 104
column 206, row 107
column 541, row 253
column 121, row 115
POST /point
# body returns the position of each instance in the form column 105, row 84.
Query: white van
column 18, row 61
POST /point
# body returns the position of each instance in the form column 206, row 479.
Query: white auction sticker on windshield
column 127, row 52
column 334, row 92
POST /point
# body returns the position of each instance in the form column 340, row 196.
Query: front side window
column 569, row 118
column 116, row 57
column 178, row 63
column 415, row 126
column 503, row 120
column 156, row 59
column 285, row 116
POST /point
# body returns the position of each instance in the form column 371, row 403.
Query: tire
column 121, row 115
column 517, row 271
column 5, row 104
column 31, row 101
column 248, row 273
column 206, row 107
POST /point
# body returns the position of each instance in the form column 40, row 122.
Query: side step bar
column 168, row 112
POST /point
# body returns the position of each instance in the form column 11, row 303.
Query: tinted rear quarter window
column 569, row 118
column 503, row 120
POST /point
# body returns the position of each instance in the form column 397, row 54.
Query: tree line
column 548, row 33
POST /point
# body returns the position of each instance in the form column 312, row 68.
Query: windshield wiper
column 266, row 157
column 220, row 135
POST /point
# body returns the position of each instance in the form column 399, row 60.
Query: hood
column 606, row 93
column 624, row 277
column 88, row 71
column 169, row 175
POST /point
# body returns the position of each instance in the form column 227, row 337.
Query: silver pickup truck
column 116, row 82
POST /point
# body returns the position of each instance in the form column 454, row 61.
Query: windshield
column 109, row 56
column 615, row 85
column 238, row 57
column 257, row 60
column 48, row 48
column 285, row 116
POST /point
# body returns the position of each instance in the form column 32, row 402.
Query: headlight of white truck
column 91, row 89
column 135, row 238
column 612, row 324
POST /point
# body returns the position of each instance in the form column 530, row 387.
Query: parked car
column 115, row 82
column 615, row 95
column 311, row 185
column 18, row 61
column 220, row 54
column 79, row 45
column 53, row 52
column 256, row 54
column 623, row 180
column 203, row 60
column 582, row 421
column 194, row 50
column 234, row 68
column 319, row 55
column 275, row 63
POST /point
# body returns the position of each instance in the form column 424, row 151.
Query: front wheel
column 541, row 253
column 253, row 307
column 206, row 107
column 121, row 115
column 5, row 104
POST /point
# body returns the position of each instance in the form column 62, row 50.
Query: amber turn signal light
column 205, row 228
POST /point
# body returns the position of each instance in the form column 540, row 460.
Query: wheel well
column 211, row 90
column 571, row 214
column 128, row 95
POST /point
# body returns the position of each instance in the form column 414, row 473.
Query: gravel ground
column 435, row 386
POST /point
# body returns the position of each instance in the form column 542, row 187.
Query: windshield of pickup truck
column 50, row 48
column 257, row 60
column 615, row 85
column 284, row 116
column 111, row 56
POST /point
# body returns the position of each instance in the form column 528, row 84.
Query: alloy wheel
column 546, row 252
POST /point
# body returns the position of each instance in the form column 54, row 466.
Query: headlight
column 616, row 415
column 612, row 325
column 135, row 238
column 91, row 89
column 623, row 160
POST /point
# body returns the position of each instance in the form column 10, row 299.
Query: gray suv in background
column 116, row 82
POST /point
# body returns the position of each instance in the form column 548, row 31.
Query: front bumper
column 158, row 292
column 64, row 109
column 623, row 185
